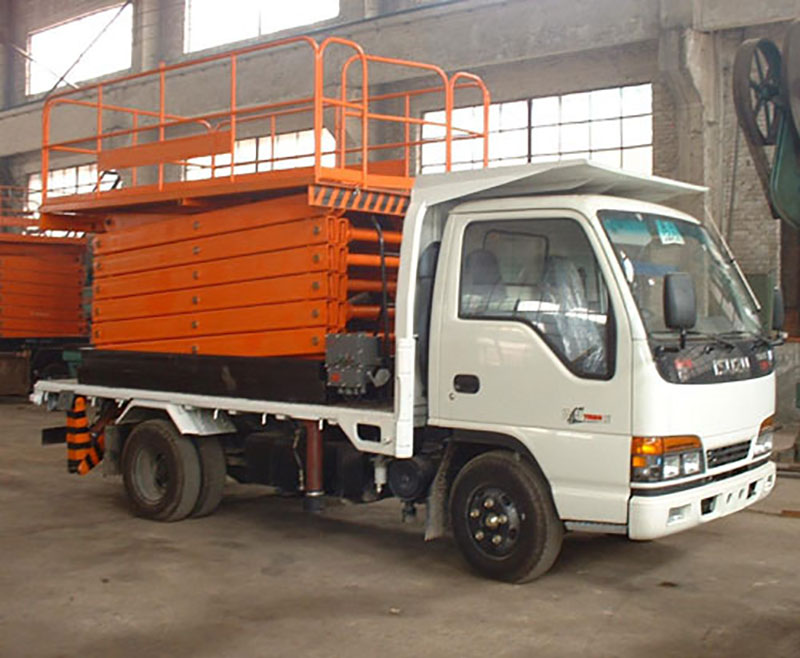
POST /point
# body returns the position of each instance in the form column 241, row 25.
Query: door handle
column 466, row 384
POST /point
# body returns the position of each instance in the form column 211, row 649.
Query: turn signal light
column 765, row 438
column 656, row 458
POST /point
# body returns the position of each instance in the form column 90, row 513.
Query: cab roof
column 565, row 177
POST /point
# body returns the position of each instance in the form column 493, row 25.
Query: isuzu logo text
column 734, row 366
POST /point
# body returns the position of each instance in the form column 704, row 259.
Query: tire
column 54, row 370
column 161, row 471
column 499, row 495
column 212, row 473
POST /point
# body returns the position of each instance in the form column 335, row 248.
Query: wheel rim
column 757, row 90
column 151, row 474
column 494, row 520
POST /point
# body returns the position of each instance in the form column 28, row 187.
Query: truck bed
column 371, row 427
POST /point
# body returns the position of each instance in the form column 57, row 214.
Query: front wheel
column 161, row 471
column 504, row 519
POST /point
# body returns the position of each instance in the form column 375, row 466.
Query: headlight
column 656, row 458
column 766, row 433
column 692, row 462
column 672, row 466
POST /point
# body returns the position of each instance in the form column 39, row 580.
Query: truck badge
column 580, row 415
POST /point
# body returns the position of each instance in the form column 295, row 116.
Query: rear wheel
column 161, row 471
column 213, row 472
column 504, row 519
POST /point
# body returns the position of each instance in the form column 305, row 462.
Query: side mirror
column 680, row 303
column 778, row 312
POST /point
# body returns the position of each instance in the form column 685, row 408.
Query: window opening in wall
column 56, row 48
column 81, row 179
column 210, row 23
column 610, row 126
column 285, row 151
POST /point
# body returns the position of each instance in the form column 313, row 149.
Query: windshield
column 649, row 246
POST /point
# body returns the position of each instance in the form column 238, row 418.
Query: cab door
column 529, row 340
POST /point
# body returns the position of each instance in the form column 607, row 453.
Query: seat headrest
column 481, row 268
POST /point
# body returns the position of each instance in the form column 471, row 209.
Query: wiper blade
column 715, row 337
column 694, row 334
column 757, row 337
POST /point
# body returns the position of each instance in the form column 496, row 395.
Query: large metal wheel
column 161, row 471
column 757, row 90
column 504, row 519
column 791, row 72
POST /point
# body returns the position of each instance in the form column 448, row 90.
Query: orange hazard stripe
column 354, row 199
column 78, row 439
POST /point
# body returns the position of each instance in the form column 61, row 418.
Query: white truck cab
column 569, row 354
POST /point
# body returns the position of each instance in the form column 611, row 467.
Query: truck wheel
column 504, row 519
column 54, row 370
column 161, row 471
column 213, row 472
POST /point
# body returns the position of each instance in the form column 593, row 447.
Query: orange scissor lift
column 41, row 287
column 201, row 250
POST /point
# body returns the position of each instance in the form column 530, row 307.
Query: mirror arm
column 780, row 339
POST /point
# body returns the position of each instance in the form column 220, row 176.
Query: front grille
column 727, row 454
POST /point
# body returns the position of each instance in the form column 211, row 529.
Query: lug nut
column 496, row 540
column 488, row 503
column 479, row 535
column 503, row 519
column 474, row 514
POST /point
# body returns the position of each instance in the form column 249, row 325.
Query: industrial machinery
column 524, row 350
column 41, row 297
column 766, row 91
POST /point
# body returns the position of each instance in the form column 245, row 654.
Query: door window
column 544, row 273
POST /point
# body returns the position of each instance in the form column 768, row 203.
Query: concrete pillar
column 6, row 54
column 158, row 30
column 688, row 129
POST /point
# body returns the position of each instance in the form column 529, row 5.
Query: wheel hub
column 151, row 473
column 494, row 521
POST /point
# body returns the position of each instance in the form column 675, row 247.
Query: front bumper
column 653, row 516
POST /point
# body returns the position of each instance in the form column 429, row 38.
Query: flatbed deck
column 370, row 429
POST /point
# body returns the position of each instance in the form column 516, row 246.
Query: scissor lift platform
column 267, row 257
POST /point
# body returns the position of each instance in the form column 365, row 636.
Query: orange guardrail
column 150, row 148
column 14, row 211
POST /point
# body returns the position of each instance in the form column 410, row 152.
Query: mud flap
column 437, row 522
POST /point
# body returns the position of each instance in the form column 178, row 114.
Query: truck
column 41, row 297
column 525, row 351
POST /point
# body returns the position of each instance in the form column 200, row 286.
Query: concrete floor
column 81, row 577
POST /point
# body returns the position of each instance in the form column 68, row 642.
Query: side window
column 544, row 273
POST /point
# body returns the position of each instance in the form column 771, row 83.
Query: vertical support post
column 448, row 114
column 313, row 501
column 45, row 148
column 272, row 129
column 161, row 116
column 233, row 112
column 319, row 112
column 407, row 151
column 341, row 138
column 486, row 130
column 99, row 135
column 364, row 121
column 135, row 142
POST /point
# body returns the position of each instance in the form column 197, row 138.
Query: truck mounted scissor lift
column 518, row 348
column 41, row 296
